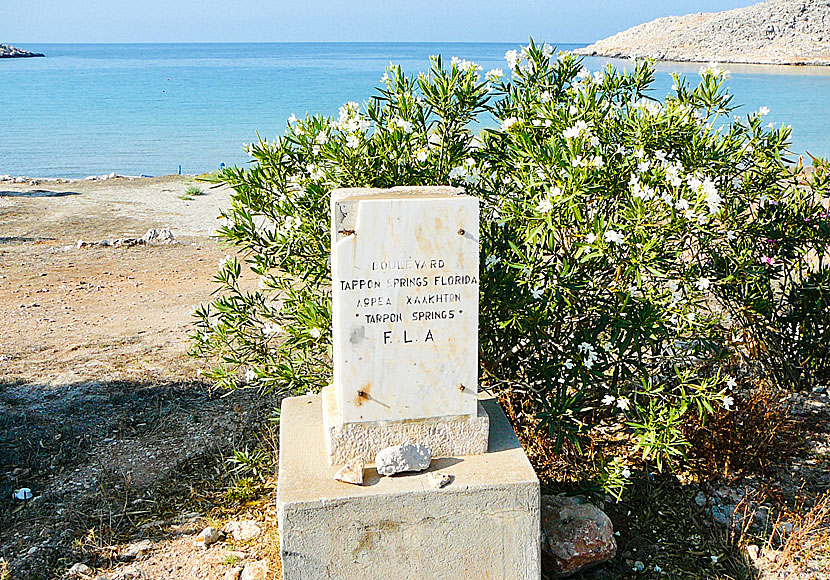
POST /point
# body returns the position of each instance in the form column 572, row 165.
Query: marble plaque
column 405, row 304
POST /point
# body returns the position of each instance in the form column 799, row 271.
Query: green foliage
column 256, row 464
column 194, row 191
column 628, row 245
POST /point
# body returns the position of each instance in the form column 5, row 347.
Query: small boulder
column 206, row 537
column 352, row 472
column 233, row 573
column 400, row 458
column 574, row 536
column 243, row 531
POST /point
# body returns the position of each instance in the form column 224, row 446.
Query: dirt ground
column 102, row 413
column 104, row 417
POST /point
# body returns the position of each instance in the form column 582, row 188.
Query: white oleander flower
column 544, row 206
column 728, row 402
column 623, row 404
column 626, row 473
column 226, row 260
column 508, row 124
column 590, row 238
column 271, row 329
column 615, row 237
column 703, row 284
column 512, row 57
column 352, row 141
column 608, row 400
column 406, row 126
column 250, row 376
column 292, row 119
column 763, row 111
column 421, row 156
column 731, row 383
column 494, row 74
column 314, row 333
column 568, row 364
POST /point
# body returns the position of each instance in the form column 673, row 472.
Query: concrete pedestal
column 484, row 524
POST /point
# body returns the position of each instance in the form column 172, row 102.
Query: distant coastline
column 779, row 32
column 9, row 51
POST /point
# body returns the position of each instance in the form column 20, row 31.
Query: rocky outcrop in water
column 771, row 32
column 8, row 51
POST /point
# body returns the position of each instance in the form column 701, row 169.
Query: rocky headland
column 9, row 51
column 773, row 32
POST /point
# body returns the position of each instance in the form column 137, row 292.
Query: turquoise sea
column 150, row 108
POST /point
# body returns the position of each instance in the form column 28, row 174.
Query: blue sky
column 37, row 21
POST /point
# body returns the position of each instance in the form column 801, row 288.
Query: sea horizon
column 148, row 108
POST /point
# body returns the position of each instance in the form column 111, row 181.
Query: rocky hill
column 8, row 51
column 771, row 32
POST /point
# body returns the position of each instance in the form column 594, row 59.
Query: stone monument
column 405, row 323
column 405, row 352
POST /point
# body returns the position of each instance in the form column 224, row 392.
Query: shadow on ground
column 37, row 193
column 101, row 457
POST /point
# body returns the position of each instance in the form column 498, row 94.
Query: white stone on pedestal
column 405, row 323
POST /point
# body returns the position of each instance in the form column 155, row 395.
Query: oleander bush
column 631, row 248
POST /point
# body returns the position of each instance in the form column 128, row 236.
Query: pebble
column 437, row 479
column 206, row 537
column 352, row 472
column 80, row 569
column 255, row 571
column 136, row 550
column 243, row 531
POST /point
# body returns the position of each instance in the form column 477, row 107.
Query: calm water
column 149, row 108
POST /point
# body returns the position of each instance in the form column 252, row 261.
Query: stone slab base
column 483, row 524
column 445, row 436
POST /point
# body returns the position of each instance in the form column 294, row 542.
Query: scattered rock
column 136, row 550
column 153, row 237
column 574, row 536
column 724, row 514
column 437, row 479
column 79, row 570
column 206, row 537
column 352, row 472
column 255, row 571
column 243, row 531
column 158, row 236
column 400, row 458
column 233, row 573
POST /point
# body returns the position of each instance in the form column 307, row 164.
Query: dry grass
column 751, row 439
column 806, row 549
